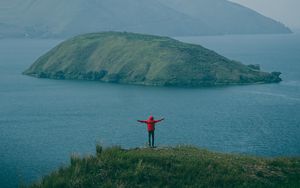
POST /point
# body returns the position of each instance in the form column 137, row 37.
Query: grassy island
column 130, row 58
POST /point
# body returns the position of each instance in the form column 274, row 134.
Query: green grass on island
column 131, row 58
column 181, row 166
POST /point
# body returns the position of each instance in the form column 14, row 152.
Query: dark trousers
column 151, row 137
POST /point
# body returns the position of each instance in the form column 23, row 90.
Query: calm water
column 42, row 122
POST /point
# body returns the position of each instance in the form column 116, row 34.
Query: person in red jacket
column 151, row 128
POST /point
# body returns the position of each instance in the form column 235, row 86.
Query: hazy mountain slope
column 7, row 30
column 142, row 59
column 225, row 17
column 132, row 15
column 64, row 18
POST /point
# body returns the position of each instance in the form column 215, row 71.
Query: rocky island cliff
column 130, row 58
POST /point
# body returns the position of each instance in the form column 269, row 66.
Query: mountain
column 143, row 60
column 224, row 17
column 65, row 18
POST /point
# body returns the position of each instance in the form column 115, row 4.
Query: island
column 140, row 59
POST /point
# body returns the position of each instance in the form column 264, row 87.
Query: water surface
column 42, row 121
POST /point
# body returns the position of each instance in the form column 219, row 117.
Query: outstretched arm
column 159, row 120
column 142, row 121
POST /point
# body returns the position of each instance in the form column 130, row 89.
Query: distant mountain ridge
column 65, row 18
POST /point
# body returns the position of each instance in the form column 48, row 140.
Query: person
column 151, row 128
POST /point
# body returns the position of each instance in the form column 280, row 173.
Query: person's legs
column 152, row 138
column 149, row 137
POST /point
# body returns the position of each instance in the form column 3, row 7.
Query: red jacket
column 150, row 123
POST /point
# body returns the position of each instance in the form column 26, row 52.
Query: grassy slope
column 173, row 167
column 142, row 59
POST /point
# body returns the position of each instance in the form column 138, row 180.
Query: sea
column 43, row 122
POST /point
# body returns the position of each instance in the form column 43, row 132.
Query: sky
column 285, row 11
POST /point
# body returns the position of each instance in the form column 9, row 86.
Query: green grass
column 143, row 60
column 173, row 167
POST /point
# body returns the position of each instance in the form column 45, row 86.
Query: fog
column 285, row 11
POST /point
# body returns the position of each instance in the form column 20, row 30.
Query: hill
column 63, row 18
column 173, row 167
column 224, row 17
column 143, row 60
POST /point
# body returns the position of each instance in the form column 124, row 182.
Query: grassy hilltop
column 144, row 60
column 173, row 167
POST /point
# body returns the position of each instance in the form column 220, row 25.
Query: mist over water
column 42, row 122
